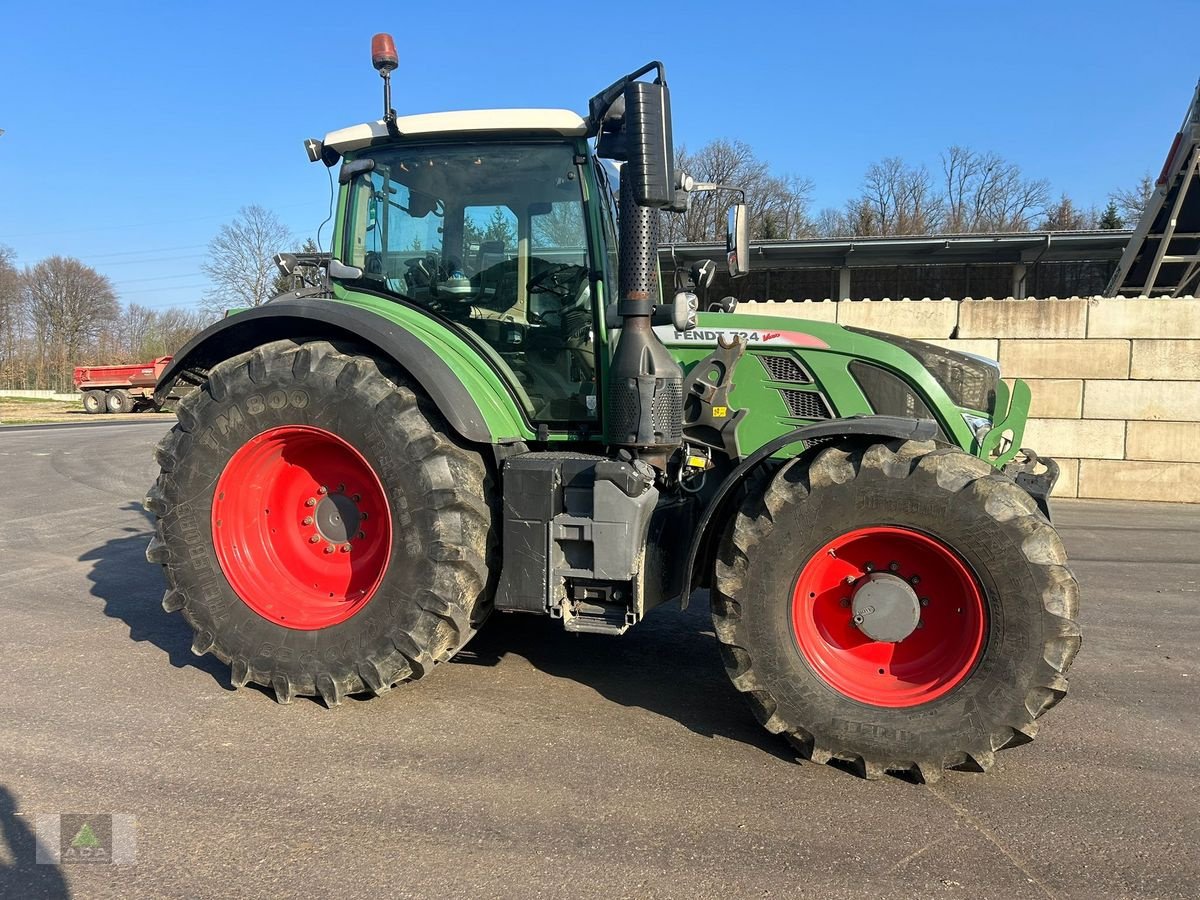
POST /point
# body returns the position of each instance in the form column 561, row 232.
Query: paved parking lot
column 549, row 764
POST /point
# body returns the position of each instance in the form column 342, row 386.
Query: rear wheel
column 898, row 607
column 93, row 402
column 318, row 527
column 118, row 401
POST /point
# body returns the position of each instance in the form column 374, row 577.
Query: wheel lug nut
column 858, row 620
column 361, row 535
column 894, row 566
column 308, row 520
column 845, row 602
column 311, row 501
column 870, row 567
column 915, row 580
column 924, row 601
column 315, row 539
column 329, row 548
column 920, row 623
column 341, row 488
column 345, row 548
column 322, row 490
column 363, row 516
column 356, row 497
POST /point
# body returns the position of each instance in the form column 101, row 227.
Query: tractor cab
column 497, row 237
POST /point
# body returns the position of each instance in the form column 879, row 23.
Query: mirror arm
column 598, row 105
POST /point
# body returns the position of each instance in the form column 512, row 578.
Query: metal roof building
column 1027, row 264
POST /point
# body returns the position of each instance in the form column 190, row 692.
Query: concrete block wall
column 1116, row 382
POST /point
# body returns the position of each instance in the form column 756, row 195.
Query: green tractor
column 488, row 403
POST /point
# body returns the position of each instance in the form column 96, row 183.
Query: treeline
column 966, row 192
column 60, row 313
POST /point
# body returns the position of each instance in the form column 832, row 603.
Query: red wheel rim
column 301, row 527
column 938, row 654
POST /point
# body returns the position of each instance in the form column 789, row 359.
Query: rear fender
column 309, row 318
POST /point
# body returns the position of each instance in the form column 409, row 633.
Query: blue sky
column 133, row 131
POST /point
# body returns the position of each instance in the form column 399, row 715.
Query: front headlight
column 969, row 380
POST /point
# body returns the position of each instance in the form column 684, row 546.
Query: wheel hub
column 886, row 608
column 337, row 518
column 889, row 616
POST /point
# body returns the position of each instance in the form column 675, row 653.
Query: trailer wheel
column 899, row 608
column 118, row 401
column 93, row 402
column 319, row 528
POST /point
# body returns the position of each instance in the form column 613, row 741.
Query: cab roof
column 560, row 122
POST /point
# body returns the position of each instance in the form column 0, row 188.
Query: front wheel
column 318, row 527
column 897, row 607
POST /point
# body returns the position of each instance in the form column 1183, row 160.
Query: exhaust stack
column 645, row 395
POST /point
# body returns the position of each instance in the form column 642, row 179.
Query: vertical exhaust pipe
column 645, row 409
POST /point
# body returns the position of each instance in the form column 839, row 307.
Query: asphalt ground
column 544, row 764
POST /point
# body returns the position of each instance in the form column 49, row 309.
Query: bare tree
column 170, row 329
column 777, row 204
column 68, row 305
column 1132, row 203
column 136, row 325
column 897, row 199
column 984, row 192
column 240, row 260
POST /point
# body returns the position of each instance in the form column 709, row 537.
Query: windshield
column 494, row 238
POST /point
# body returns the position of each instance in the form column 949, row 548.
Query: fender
column 854, row 426
column 309, row 317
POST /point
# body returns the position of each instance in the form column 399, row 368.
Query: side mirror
column 651, row 163
column 683, row 311
column 737, row 241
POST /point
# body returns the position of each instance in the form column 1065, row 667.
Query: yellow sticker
column 720, row 412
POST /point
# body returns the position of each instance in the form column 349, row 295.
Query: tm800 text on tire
column 344, row 545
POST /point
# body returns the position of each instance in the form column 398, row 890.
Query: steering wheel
column 551, row 280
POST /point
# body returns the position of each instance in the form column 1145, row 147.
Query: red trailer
column 119, row 389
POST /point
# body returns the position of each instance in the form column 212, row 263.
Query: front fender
column 886, row 427
column 311, row 318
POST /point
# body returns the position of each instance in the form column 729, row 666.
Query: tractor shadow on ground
column 24, row 876
column 668, row 664
column 132, row 590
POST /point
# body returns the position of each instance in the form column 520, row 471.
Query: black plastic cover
column 651, row 155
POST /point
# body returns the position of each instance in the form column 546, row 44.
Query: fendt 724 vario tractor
column 488, row 402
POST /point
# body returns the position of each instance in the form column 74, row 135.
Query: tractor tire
column 318, row 527
column 118, row 401
column 93, row 402
column 895, row 607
